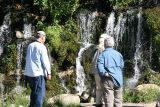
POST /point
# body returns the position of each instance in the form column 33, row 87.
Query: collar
column 109, row 48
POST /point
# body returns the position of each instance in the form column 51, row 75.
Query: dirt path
column 124, row 105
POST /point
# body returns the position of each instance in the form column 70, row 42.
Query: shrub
column 148, row 95
column 9, row 59
column 149, row 78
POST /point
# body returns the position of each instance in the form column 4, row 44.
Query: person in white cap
column 37, row 69
column 110, row 66
column 99, row 49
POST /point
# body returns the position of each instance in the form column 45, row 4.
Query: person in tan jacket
column 99, row 49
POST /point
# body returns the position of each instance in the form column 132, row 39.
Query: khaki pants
column 99, row 91
column 112, row 95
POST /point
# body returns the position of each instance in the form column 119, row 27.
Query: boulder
column 66, row 99
column 143, row 87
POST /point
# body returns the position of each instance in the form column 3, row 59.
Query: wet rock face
column 150, row 3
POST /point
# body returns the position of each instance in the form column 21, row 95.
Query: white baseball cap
column 41, row 33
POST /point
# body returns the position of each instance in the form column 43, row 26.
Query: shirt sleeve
column 100, row 64
column 45, row 60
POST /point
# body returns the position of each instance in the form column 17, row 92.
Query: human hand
column 107, row 74
column 49, row 77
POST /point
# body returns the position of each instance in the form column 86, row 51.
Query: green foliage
column 41, row 2
column 153, row 22
column 121, row 3
column 53, row 86
column 16, row 100
column 62, row 43
column 59, row 103
column 150, row 78
column 40, row 25
column 70, row 82
column 62, row 9
column 9, row 59
column 128, row 96
column 153, row 19
column 128, row 69
column 9, row 83
column 148, row 95
column 54, row 33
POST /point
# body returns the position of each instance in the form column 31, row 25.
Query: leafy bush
column 153, row 22
column 128, row 96
column 62, row 10
column 122, row 3
column 148, row 95
column 9, row 59
column 149, row 78
column 53, row 86
column 62, row 41
column 16, row 100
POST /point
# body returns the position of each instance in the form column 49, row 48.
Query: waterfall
column 27, row 28
column 19, row 54
column 119, row 30
column 125, row 27
column 4, row 36
column 4, row 31
column 63, row 83
column 116, row 30
column 110, row 24
column 19, row 64
column 87, row 29
column 137, row 55
column 27, row 33
column 155, row 1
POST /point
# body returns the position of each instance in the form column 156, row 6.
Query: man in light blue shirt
column 37, row 68
column 110, row 64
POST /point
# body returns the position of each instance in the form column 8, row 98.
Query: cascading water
column 123, row 29
column 4, row 35
column 2, row 91
column 110, row 24
column 87, row 29
column 4, row 31
column 19, row 65
column 119, row 30
column 116, row 30
column 63, row 82
column 27, row 33
column 137, row 55
column 27, row 28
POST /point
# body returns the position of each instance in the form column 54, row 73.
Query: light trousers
column 99, row 92
column 111, row 94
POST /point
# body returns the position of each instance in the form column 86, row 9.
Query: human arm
column 46, row 63
column 101, row 65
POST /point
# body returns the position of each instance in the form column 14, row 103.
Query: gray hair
column 109, row 41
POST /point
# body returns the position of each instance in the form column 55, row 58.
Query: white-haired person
column 99, row 49
column 110, row 67
column 37, row 68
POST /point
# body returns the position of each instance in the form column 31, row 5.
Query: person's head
column 101, row 40
column 41, row 36
column 108, row 42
